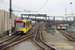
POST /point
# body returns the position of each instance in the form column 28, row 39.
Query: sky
column 51, row 8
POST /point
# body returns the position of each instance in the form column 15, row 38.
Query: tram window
column 24, row 25
column 20, row 25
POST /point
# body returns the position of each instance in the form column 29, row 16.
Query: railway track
column 16, row 42
column 7, row 39
column 39, row 41
column 69, row 34
column 6, row 44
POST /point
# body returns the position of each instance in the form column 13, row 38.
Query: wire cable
column 43, row 5
column 14, row 6
column 7, row 5
column 4, row 3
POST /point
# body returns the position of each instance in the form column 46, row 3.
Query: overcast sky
column 52, row 7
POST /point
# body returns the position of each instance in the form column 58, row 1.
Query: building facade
column 4, row 20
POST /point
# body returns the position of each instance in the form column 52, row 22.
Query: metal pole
column 65, row 13
column 46, row 20
column 4, row 21
column 43, row 19
column 48, row 17
column 71, row 7
column 10, row 19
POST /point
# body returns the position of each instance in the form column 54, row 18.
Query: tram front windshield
column 20, row 25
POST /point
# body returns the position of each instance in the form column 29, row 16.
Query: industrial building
column 4, row 20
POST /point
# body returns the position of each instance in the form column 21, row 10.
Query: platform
column 58, row 40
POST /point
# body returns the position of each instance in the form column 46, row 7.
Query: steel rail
column 41, row 40
column 9, row 42
column 17, row 42
column 66, row 34
column 35, row 38
column 44, row 41
column 72, row 34
column 7, row 39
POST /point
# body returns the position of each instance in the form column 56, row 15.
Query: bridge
column 45, row 19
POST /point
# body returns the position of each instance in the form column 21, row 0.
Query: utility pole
column 10, row 18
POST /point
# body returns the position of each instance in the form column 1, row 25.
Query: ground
column 57, row 40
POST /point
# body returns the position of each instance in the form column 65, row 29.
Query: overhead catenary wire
column 43, row 5
column 14, row 6
column 7, row 5
column 4, row 3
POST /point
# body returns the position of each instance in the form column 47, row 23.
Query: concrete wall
column 4, row 20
